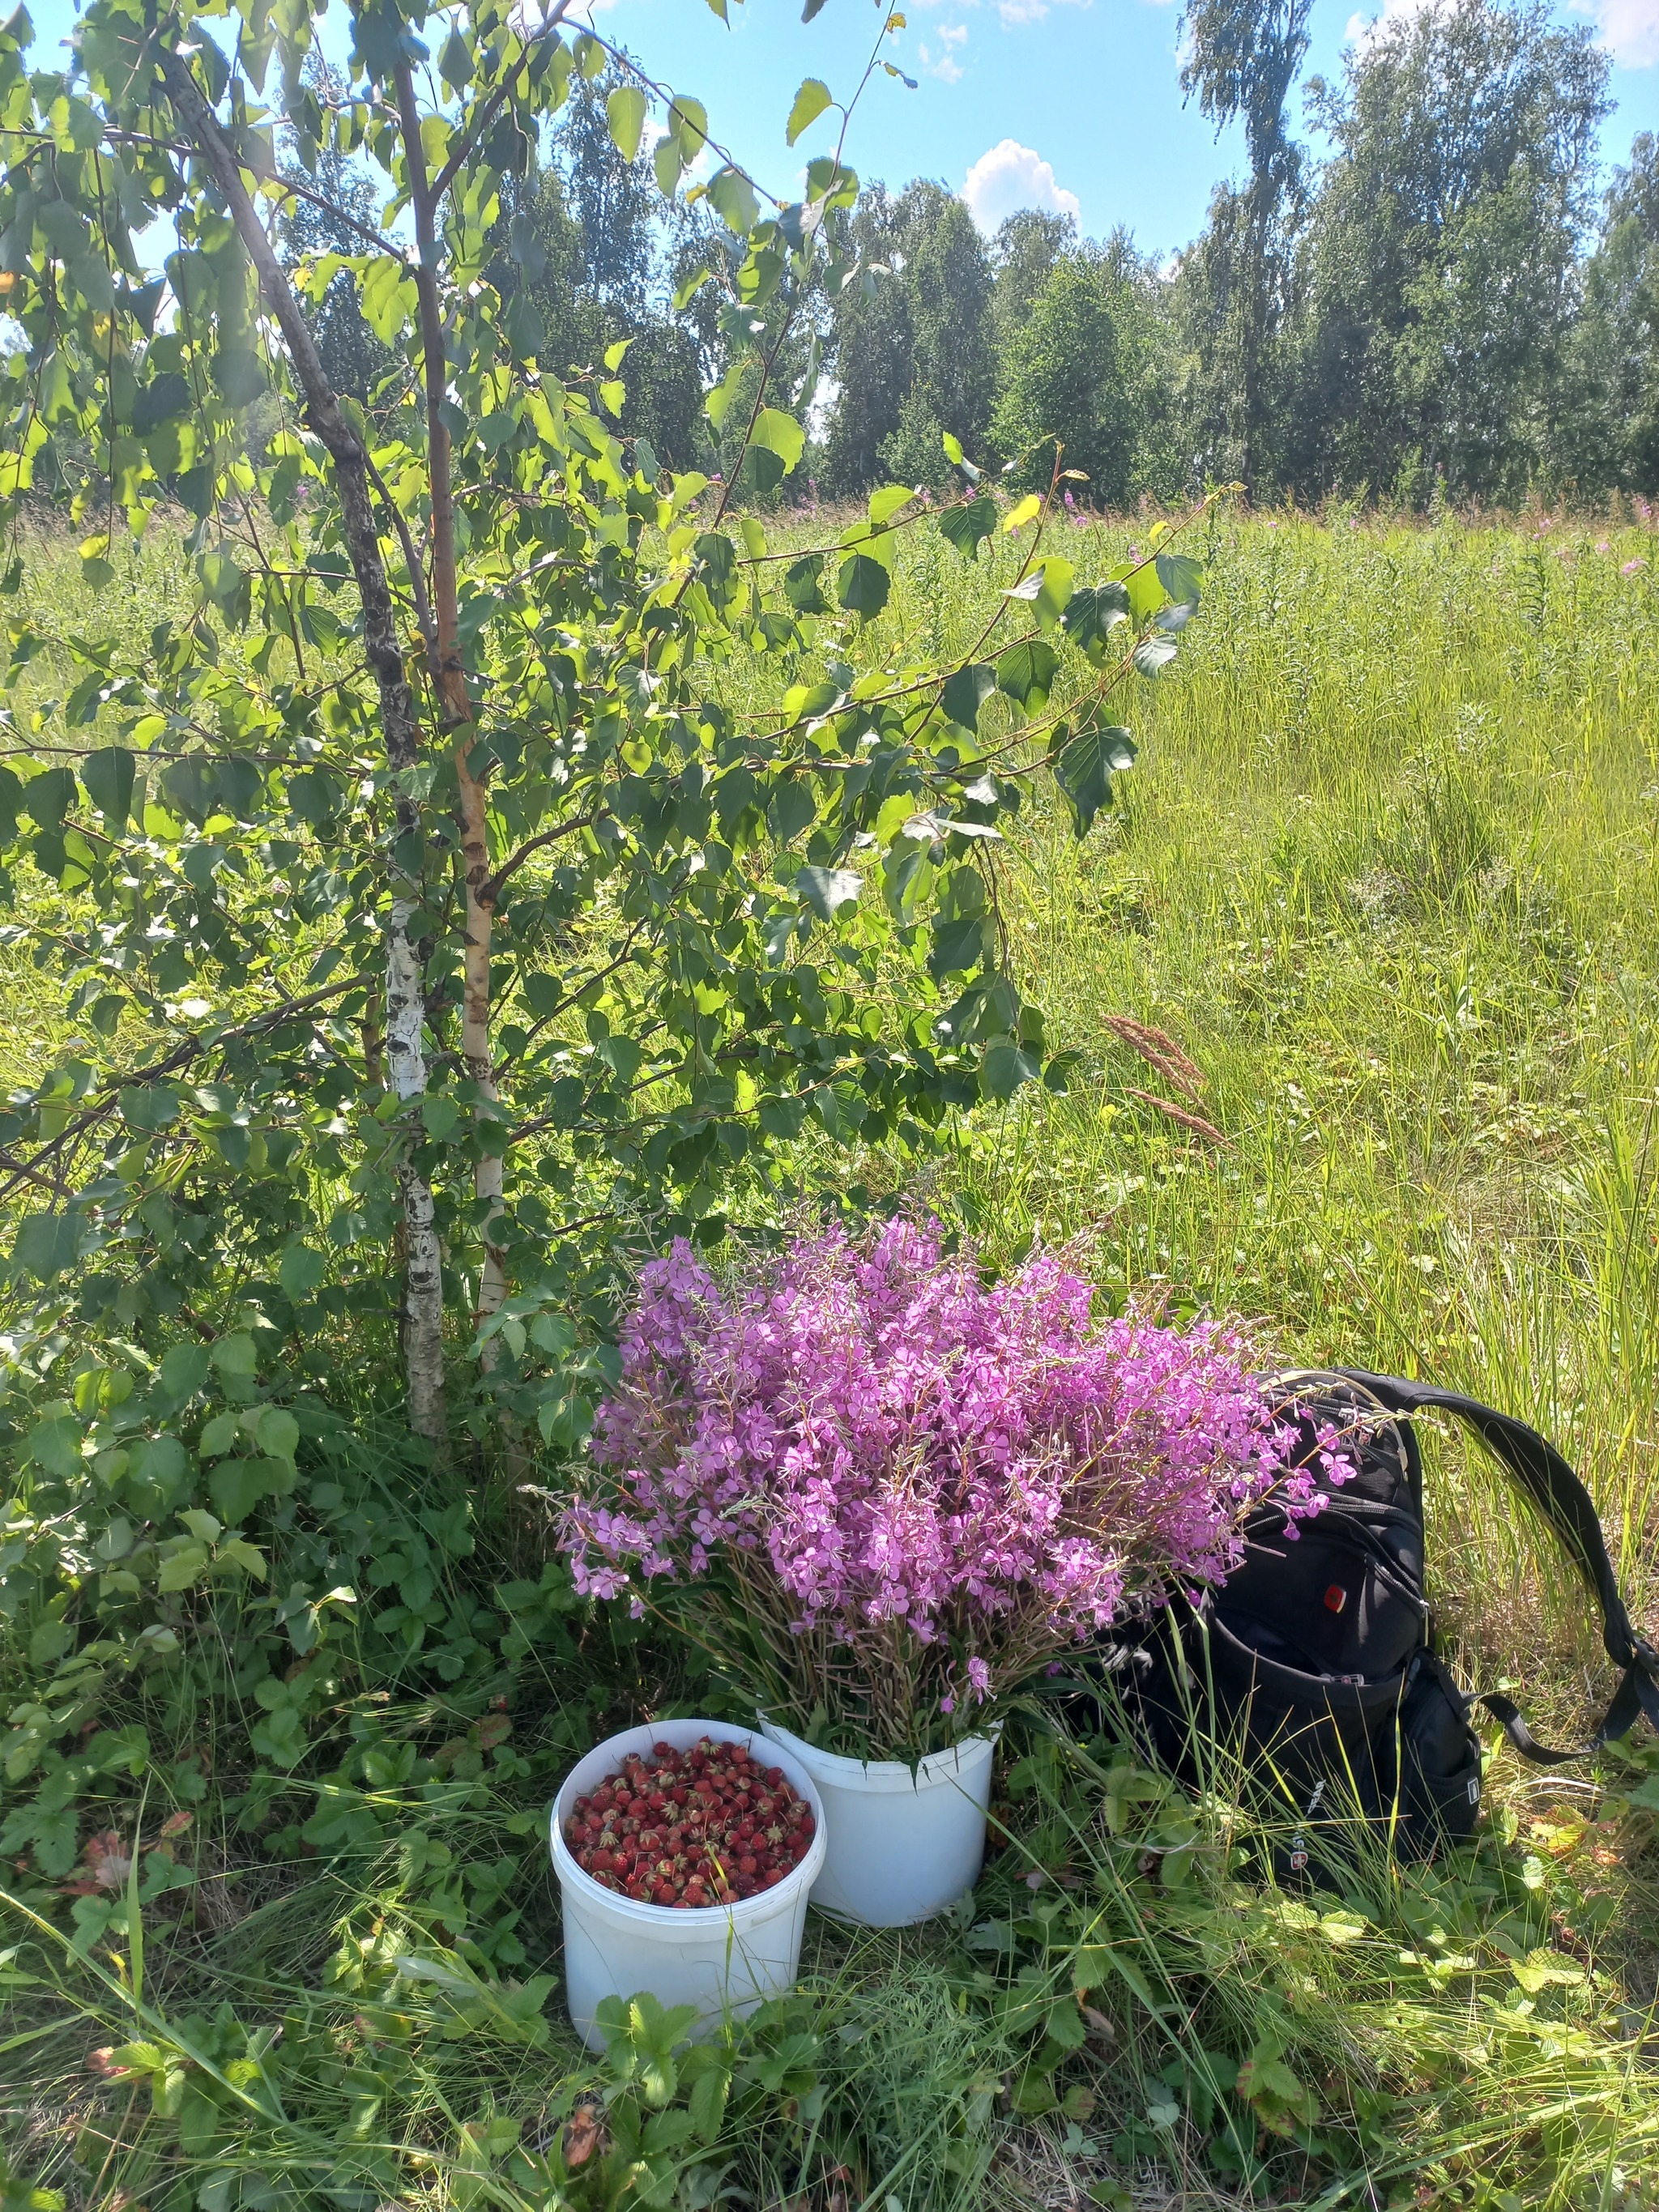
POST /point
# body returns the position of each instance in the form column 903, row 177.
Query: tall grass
column 1392, row 851
column 1388, row 868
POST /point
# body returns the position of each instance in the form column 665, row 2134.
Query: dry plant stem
column 1160, row 1052
column 422, row 1294
column 1168, row 1107
column 472, row 802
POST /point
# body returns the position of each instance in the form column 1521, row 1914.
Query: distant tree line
column 1448, row 303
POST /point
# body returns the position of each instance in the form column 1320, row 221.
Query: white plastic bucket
column 905, row 1844
column 721, row 1958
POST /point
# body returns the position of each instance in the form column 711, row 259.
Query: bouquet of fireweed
column 884, row 1495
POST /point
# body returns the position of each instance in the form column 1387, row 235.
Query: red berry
column 688, row 1829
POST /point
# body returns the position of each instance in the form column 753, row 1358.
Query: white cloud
column 1629, row 29
column 943, row 64
column 1363, row 27
column 1016, row 14
column 1010, row 177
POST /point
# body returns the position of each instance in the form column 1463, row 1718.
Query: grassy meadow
column 1388, row 869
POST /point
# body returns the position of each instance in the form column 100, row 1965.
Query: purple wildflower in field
column 882, row 1453
column 1633, row 568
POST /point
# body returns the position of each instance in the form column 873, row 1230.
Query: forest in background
column 1455, row 301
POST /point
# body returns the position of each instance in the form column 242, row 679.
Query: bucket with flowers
column 885, row 1495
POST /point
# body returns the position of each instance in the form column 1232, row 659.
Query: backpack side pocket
column 1440, row 1777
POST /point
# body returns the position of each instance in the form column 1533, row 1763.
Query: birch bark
column 421, row 1327
column 450, row 675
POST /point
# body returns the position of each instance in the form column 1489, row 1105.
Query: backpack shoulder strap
column 1562, row 1502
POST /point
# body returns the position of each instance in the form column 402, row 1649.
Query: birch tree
column 434, row 929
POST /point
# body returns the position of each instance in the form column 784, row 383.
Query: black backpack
column 1317, row 1658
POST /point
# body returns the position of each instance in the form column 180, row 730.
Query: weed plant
column 1387, row 868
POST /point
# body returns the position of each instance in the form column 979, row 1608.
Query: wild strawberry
column 683, row 1829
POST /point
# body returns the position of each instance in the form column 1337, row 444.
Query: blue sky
column 1088, row 88
column 1067, row 103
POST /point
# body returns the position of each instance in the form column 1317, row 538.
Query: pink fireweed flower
column 867, row 1446
column 1631, row 567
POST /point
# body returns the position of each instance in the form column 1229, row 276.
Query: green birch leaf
column 732, row 198
column 969, row 526
column 803, row 585
column 109, row 776
column 779, row 433
column 182, row 1570
column 455, row 62
column 863, row 585
column 46, row 1245
column 625, row 111
column 1153, row 655
column 1182, row 577
column 966, row 692
column 827, row 891
column 301, row 1271
column 887, row 502
column 1026, row 672
column 1083, row 769
column 1006, row 1067
column 1091, row 614
column 48, row 798
column 809, row 101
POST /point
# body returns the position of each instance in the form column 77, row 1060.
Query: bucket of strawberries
column 684, row 1853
